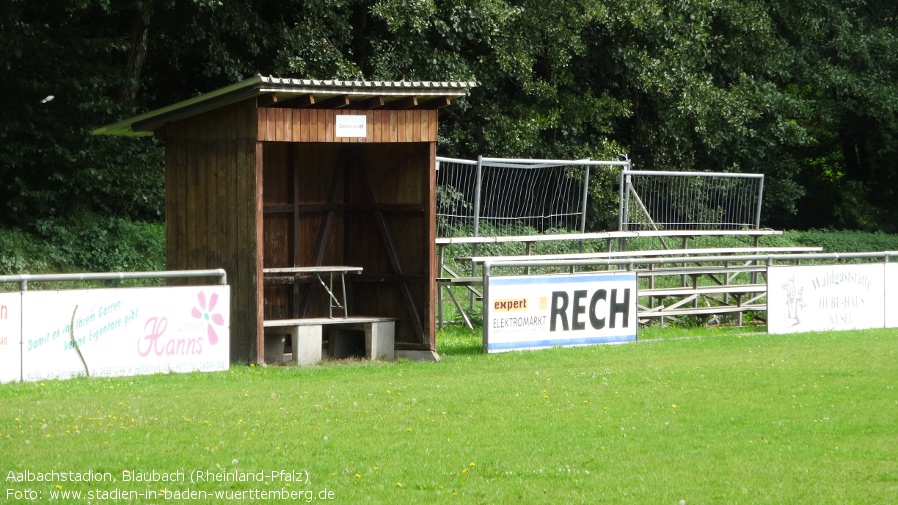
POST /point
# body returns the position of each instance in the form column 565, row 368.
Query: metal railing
column 748, row 296
column 24, row 279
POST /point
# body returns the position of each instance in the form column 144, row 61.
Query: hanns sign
column 559, row 310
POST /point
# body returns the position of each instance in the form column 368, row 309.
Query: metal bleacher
column 704, row 282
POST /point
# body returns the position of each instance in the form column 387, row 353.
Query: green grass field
column 682, row 416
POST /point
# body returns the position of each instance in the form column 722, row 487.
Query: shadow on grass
column 458, row 340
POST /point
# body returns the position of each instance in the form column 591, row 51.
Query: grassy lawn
column 683, row 416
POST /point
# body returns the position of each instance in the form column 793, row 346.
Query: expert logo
column 510, row 305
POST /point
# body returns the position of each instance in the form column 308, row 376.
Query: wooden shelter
column 273, row 173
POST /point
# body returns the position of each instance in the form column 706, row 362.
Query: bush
column 95, row 245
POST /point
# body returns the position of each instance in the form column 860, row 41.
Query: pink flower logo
column 205, row 313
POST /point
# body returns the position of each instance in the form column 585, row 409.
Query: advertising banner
column 532, row 312
column 119, row 332
column 825, row 297
column 10, row 337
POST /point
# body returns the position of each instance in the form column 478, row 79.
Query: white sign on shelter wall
column 825, row 297
column 351, row 126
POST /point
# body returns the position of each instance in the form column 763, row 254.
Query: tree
column 802, row 91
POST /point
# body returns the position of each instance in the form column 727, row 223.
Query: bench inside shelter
column 338, row 336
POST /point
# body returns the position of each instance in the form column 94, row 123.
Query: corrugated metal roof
column 284, row 89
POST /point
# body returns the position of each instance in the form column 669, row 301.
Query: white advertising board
column 825, row 297
column 351, row 126
column 119, row 332
column 10, row 337
column 532, row 312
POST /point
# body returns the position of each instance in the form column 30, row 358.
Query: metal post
column 486, row 305
column 585, row 200
column 585, row 196
column 441, row 255
column 477, row 188
column 760, row 198
column 624, row 194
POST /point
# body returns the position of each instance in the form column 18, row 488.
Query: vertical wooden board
column 297, row 125
column 294, row 198
column 434, row 126
column 279, row 124
column 202, row 160
column 429, row 245
column 313, row 125
column 218, row 205
column 417, row 126
column 410, row 126
column 394, row 126
column 305, row 121
column 246, row 287
column 175, row 200
column 400, row 127
column 261, row 123
column 223, row 169
column 276, row 235
column 332, row 127
column 288, row 125
column 378, row 120
column 321, row 125
column 208, row 180
column 422, row 127
column 276, row 190
column 233, row 194
column 194, row 151
column 271, row 125
column 314, row 169
column 260, row 252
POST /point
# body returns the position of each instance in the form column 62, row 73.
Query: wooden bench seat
column 307, row 337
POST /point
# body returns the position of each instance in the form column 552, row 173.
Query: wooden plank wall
column 213, row 208
column 319, row 125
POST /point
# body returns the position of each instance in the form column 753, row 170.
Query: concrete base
column 305, row 340
column 274, row 348
column 418, row 355
column 344, row 338
column 379, row 340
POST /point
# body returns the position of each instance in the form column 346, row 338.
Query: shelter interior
column 364, row 205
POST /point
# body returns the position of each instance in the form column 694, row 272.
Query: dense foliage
column 803, row 91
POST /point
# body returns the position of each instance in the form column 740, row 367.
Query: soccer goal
column 657, row 200
column 503, row 196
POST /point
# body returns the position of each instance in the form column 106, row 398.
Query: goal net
column 653, row 200
column 502, row 196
